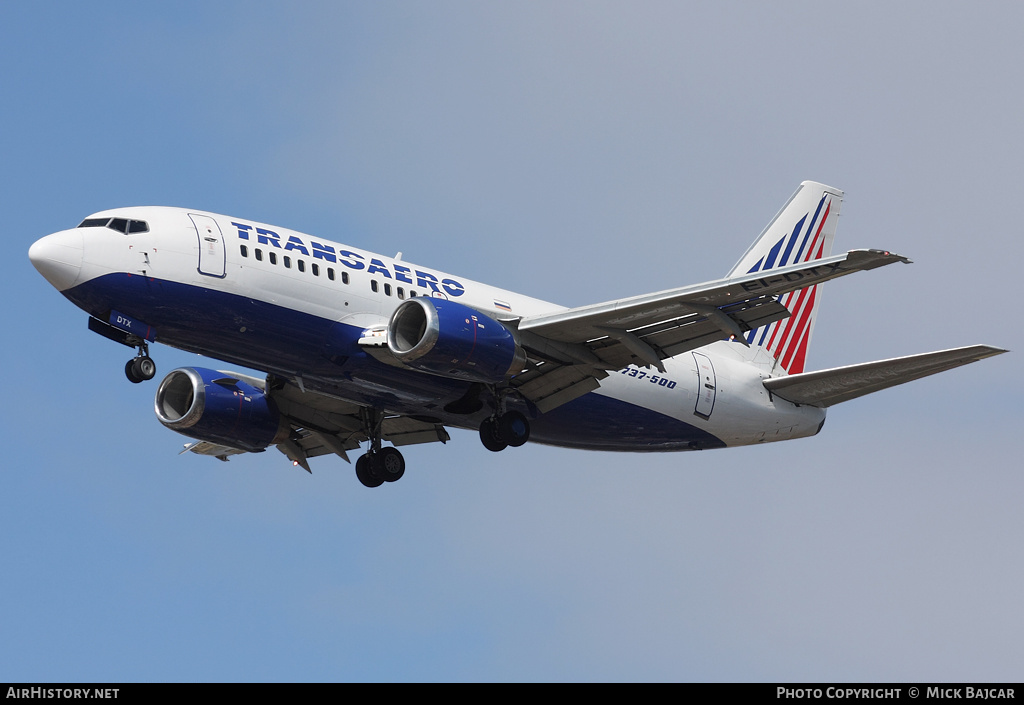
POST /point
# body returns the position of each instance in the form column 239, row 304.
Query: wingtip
column 892, row 255
column 993, row 350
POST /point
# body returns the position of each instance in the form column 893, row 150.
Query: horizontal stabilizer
column 827, row 387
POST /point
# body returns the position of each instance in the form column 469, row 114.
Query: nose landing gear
column 141, row 367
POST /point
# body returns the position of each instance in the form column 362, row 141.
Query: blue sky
column 572, row 151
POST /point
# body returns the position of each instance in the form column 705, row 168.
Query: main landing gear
column 141, row 367
column 503, row 430
column 378, row 465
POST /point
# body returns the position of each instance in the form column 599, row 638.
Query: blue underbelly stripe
column 285, row 341
column 597, row 422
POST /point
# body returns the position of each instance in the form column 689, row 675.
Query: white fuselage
column 296, row 306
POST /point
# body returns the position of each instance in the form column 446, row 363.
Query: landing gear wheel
column 130, row 373
column 145, row 367
column 513, row 428
column 139, row 369
column 365, row 471
column 390, row 464
column 489, row 436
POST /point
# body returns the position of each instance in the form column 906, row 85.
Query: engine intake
column 218, row 407
column 453, row 340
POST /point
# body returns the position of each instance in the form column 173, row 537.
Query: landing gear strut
column 378, row 465
column 141, row 367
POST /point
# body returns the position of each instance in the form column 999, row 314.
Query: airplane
column 358, row 348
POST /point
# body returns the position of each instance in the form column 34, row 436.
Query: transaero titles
column 352, row 260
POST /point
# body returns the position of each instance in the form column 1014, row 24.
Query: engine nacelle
column 218, row 407
column 453, row 340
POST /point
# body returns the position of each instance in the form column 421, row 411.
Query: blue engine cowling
column 453, row 340
column 218, row 407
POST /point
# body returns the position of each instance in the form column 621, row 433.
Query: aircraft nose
column 58, row 257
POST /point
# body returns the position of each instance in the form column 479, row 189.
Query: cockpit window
column 94, row 223
column 121, row 225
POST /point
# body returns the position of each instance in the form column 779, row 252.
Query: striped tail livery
column 801, row 232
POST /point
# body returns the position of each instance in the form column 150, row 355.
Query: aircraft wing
column 321, row 425
column 825, row 388
column 578, row 347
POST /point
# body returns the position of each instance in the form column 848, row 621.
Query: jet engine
column 219, row 407
column 453, row 340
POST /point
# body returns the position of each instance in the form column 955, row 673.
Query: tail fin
column 802, row 231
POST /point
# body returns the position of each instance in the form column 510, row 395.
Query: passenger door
column 705, row 386
column 212, row 257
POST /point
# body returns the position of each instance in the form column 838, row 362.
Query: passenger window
column 287, row 262
column 259, row 254
column 245, row 250
column 301, row 264
column 401, row 293
column 330, row 273
column 373, row 285
column 387, row 289
column 315, row 268
column 273, row 257
column 344, row 277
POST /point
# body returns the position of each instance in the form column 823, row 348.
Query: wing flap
column 404, row 431
column 826, row 388
column 674, row 337
column 214, row 450
column 549, row 385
